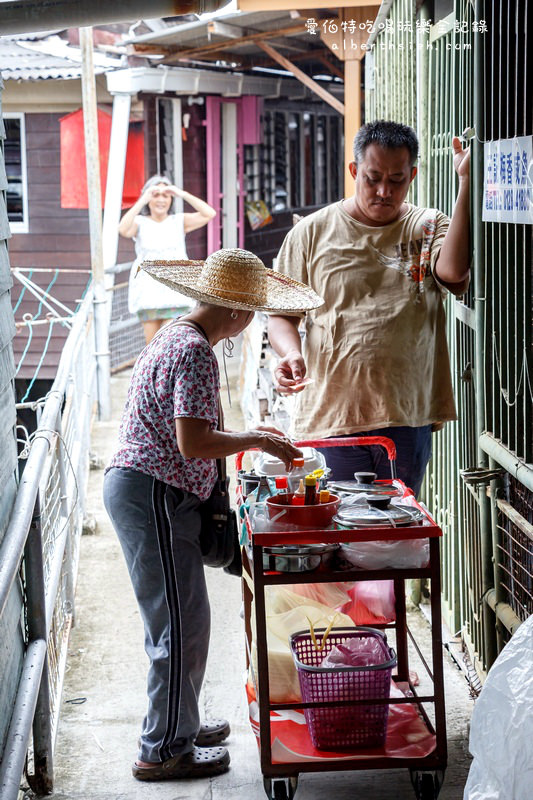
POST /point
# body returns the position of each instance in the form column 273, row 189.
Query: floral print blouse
column 176, row 375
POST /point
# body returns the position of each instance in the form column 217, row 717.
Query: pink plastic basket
column 343, row 727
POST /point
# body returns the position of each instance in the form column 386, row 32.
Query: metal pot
column 297, row 558
column 249, row 481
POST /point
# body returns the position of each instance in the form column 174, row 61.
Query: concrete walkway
column 104, row 693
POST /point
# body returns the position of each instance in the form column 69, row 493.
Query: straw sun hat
column 236, row 279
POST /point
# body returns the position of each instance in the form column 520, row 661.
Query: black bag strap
column 221, row 462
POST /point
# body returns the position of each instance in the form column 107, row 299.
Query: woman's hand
column 147, row 196
column 279, row 447
column 173, row 190
column 127, row 226
column 197, row 439
column 268, row 429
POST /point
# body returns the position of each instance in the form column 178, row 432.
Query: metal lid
column 355, row 516
column 355, row 487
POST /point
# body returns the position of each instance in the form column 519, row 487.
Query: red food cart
column 413, row 740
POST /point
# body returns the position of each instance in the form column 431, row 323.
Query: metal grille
column 392, row 63
column 54, row 478
column 509, row 261
column 62, row 496
column 126, row 338
column 515, row 547
column 58, row 647
column 486, row 557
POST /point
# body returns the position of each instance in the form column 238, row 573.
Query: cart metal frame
column 427, row 773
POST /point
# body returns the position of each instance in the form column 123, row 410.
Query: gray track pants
column 158, row 527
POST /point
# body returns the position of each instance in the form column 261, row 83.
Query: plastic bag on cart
column 366, row 651
column 370, row 602
column 400, row 554
column 287, row 613
column 501, row 731
column 332, row 595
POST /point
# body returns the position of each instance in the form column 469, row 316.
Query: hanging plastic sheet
column 501, row 731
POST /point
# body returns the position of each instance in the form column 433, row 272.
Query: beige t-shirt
column 377, row 347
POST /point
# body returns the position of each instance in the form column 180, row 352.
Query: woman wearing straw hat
column 159, row 232
column 164, row 468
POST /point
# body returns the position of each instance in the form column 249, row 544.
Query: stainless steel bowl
column 297, row 558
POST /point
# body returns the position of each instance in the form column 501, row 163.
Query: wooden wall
column 11, row 641
column 58, row 238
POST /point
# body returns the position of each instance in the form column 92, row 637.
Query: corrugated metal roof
column 232, row 38
column 196, row 34
column 50, row 58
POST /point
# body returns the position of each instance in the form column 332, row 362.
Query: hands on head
column 174, row 191
column 154, row 191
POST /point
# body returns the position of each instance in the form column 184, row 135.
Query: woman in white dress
column 159, row 234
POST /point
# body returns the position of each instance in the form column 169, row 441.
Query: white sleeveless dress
column 156, row 240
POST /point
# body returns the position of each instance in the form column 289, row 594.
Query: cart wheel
column 427, row 785
column 280, row 788
column 280, row 791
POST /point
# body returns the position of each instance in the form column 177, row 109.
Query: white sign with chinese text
column 507, row 180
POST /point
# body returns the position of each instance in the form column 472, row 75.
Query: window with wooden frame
column 15, row 164
column 300, row 162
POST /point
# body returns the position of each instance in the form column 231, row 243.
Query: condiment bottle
column 323, row 496
column 298, row 498
column 310, row 490
column 296, row 473
column 282, row 494
column 322, row 483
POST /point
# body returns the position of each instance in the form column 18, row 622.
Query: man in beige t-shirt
column 377, row 348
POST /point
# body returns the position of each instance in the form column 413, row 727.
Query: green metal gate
column 467, row 73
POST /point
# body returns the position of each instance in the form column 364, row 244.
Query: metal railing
column 40, row 553
column 126, row 337
column 472, row 75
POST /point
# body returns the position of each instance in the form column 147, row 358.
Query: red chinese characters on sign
column 73, row 168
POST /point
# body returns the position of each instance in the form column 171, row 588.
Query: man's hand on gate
column 461, row 159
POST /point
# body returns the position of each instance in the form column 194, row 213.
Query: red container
column 319, row 515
